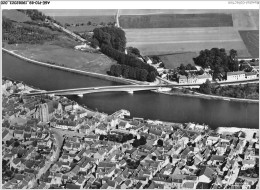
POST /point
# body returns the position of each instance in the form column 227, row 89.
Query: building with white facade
column 237, row 75
column 251, row 75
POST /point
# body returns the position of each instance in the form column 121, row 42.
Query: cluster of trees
column 138, row 142
column 89, row 23
column 131, row 164
column 131, row 67
column 120, row 138
column 112, row 41
column 218, row 60
column 132, row 73
column 133, row 51
column 183, row 68
column 37, row 15
column 247, row 91
column 24, row 34
column 111, row 36
column 34, row 14
column 156, row 59
column 245, row 67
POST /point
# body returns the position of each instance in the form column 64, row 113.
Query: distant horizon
column 109, row 12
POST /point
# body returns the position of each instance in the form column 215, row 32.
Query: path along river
column 145, row 104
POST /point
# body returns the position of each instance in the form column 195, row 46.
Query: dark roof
column 72, row 186
column 207, row 172
column 202, row 185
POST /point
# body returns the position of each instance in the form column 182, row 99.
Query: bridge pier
column 130, row 91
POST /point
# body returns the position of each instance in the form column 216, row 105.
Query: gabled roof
column 208, row 172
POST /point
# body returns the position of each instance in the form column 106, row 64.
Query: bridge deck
column 127, row 88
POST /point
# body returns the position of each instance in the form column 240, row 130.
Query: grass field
column 175, row 20
column 65, row 55
column 157, row 41
column 172, row 61
column 15, row 15
column 251, row 40
column 95, row 21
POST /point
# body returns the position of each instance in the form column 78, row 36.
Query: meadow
column 172, row 61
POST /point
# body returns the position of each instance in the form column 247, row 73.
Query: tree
column 206, row 87
column 182, row 67
column 200, row 72
column 142, row 140
column 94, row 43
column 143, row 75
column 160, row 142
column 151, row 76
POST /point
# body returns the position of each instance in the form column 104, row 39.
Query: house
column 246, row 164
column 237, row 75
column 206, row 174
column 177, row 180
column 5, row 135
column 15, row 163
column 203, row 78
column 251, row 75
column 18, row 134
column 182, row 79
column 147, row 60
column 217, row 160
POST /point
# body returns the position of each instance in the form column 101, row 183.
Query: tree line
column 37, row 15
column 112, row 41
column 24, row 34
column 111, row 36
column 247, row 91
column 218, row 61
column 132, row 73
column 131, row 67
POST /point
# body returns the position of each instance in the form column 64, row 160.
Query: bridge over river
column 127, row 88
column 121, row 88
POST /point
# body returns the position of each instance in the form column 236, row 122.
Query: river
column 145, row 104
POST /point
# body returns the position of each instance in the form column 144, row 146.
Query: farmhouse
column 202, row 78
column 251, row 75
column 182, row 79
column 237, row 75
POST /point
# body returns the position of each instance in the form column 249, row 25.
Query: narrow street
column 58, row 143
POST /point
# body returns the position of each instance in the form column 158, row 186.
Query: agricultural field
column 15, row 15
column 172, row 61
column 85, row 23
column 158, row 41
column 251, row 40
column 175, row 20
column 246, row 19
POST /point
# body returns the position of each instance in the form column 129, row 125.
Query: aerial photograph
column 130, row 99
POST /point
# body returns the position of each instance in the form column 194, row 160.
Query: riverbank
column 127, row 81
column 230, row 130
column 210, row 97
column 91, row 74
